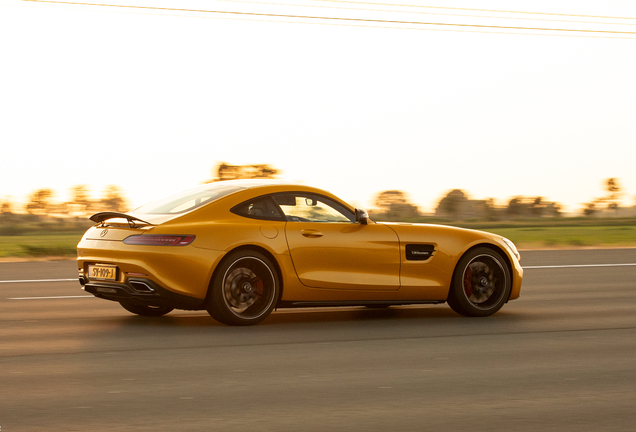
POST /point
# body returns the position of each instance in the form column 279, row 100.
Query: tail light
column 159, row 240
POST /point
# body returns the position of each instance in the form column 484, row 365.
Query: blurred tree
column 609, row 202
column 113, row 199
column 80, row 201
column 614, row 193
column 235, row 172
column 532, row 207
column 79, row 195
column 537, row 208
column 452, row 205
column 6, row 207
column 386, row 199
column 590, row 208
column 395, row 205
column 39, row 201
column 490, row 209
column 479, row 209
column 515, row 207
column 552, row 210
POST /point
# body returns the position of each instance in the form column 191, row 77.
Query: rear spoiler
column 104, row 216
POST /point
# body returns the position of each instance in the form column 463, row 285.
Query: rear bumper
column 142, row 292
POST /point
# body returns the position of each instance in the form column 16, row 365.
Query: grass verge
column 569, row 236
column 62, row 245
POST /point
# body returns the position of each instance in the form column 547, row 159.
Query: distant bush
column 53, row 250
column 13, row 230
column 20, row 225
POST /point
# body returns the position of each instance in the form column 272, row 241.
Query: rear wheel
column 146, row 310
column 244, row 290
column 481, row 283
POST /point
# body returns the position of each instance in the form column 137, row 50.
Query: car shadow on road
column 187, row 329
column 287, row 317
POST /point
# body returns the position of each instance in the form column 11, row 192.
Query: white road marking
column 51, row 297
column 90, row 296
column 579, row 265
column 38, row 280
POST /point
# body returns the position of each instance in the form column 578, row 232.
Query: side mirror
column 362, row 216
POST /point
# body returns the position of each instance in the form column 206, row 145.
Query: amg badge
column 419, row 252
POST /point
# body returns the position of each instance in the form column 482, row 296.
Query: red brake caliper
column 259, row 287
column 468, row 282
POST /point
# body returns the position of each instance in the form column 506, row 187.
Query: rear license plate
column 102, row 272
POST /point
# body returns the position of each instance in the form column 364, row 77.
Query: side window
column 259, row 208
column 312, row 208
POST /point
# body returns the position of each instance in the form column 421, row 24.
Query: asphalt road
column 561, row 358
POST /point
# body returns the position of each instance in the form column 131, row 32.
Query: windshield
column 188, row 199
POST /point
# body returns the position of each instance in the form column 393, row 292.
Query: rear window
column 189, row 199
column 259, row 208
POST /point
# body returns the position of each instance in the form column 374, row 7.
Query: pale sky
column 151, row 100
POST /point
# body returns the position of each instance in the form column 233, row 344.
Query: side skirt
column 304, row 304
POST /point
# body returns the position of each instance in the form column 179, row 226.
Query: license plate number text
column 102, row 272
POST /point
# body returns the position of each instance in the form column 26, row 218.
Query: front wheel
column 481, row 283
column 244, row 290
column 146, row 310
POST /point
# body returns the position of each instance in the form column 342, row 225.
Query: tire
column 481, row 283
column 144, row 310
column 244, row 290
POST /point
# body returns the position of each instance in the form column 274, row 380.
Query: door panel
column 344, row 255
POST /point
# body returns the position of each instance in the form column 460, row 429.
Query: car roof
column 242, row 189
column 257, row 182
column 269, row 186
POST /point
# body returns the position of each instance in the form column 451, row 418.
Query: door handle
column 311, row 233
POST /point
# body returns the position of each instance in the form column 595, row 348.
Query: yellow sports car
column 239, row 249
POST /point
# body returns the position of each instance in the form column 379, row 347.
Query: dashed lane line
column 524, row 267
column 579, row 266
column 51, row 297
column 90, row 296
column 37, row 280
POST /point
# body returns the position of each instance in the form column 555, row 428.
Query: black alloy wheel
column 481, row 283
column 244, row 290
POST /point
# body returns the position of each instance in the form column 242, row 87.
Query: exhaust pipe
column 141, row 286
